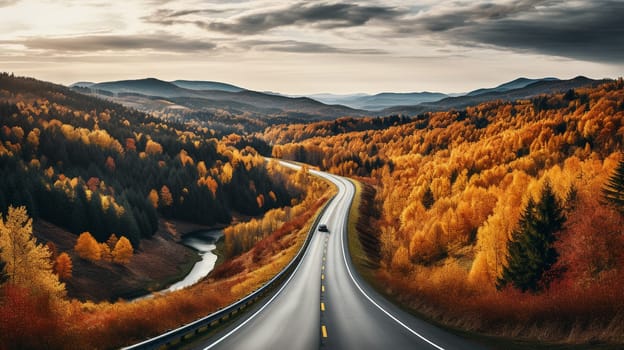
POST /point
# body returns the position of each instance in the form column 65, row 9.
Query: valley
column 345, row 175
column 462, row 172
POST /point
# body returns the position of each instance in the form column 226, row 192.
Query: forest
column 110, row 176
column 469, row 198
column 513, row 209
column 85, row 164
column 33, row 298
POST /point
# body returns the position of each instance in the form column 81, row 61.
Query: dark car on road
column 323, row 228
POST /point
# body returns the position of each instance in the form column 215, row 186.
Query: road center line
column 324, row 331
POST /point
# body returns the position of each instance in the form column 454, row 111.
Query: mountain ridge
column 145, row 93
column 530, row 90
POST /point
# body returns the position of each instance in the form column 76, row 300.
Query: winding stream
column 204, row 242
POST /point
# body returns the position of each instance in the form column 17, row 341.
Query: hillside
column 88, row 165
column 511, row 85
column 93, row 200
column 148, row 87
column 510, row 92
column 456, row 188
column 91, row 150
column 206, row 85
column 379, row 101
column 222, row 102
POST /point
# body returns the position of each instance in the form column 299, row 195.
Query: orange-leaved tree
column 63, row 266
column 153, row 198
column 87, row 247
column 123, row 251
column 166, row 199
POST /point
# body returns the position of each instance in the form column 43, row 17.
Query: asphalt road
column 326, row 305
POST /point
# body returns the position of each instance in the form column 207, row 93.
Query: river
column 204, row 242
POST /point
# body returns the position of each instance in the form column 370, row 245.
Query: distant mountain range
column 512, row 85
column 152, row 85
column 518, row 89
column 385, row 100
column 379, row 101
column 206, row 85
column 152, row 94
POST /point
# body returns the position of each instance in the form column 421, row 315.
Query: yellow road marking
column 324, row 331
column 322, row 306
column 323, row 258
column 322, row 276
column 323, row 267
column 323, row 288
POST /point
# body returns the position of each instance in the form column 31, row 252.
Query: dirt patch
column 159, row 262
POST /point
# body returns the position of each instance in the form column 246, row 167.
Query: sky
column 305, row 47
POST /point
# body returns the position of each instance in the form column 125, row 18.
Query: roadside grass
column 356, row 251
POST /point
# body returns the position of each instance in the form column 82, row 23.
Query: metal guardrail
column 211, row 321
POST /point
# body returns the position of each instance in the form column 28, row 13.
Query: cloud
column 95, row 43
column 7, row 3
column 304, row 47
column 170, row 17
column 323, row 16
column 581, row 29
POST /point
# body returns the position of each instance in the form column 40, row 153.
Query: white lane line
column 263, row 306
column 344, row 256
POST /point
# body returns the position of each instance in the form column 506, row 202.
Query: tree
column 613, row 191
column 123, row 251
column 153, row 147
column 153, row 198
column 106, row 253
column 166, row 199
column 531, row 251
column 112, row 241
column 27, row 263
column 87, row 247
column 63, row 267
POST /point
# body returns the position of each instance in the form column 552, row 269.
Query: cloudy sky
column 314, row 46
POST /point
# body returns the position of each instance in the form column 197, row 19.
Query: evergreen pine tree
column 613, row 192
column 531, row 251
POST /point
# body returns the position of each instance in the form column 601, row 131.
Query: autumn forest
column 502, row 219
column 512, row 209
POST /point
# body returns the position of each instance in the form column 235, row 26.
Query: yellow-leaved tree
column 87, row 247
column 123, row 251
column 27, row 263
column 153, row 198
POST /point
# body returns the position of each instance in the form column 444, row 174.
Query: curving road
column 325, row 304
